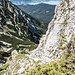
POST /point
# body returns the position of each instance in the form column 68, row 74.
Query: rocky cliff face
column 59, row 39
column 61, row 31
column 17, row 28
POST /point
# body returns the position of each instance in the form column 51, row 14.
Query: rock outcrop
column 61, row 31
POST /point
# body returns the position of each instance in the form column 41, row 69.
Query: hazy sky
column 49, row 2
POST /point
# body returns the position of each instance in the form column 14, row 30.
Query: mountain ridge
column 43, row 12
column 30, row 1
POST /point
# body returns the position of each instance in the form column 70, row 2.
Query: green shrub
column 61, row 67
column 4, row 67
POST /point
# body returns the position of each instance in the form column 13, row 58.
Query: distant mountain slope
column 17, row 29
column 43, row 12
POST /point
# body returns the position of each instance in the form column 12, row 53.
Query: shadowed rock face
column 59, row 38
column 2, row 62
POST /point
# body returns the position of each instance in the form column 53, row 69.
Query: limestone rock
column 61, row 31
column 14, row 53
column 22, row 70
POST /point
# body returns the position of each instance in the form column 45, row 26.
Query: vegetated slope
column 43, row 12
column 57, row 47
column 17, row 29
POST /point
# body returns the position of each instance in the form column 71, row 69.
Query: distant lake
column 49, row 2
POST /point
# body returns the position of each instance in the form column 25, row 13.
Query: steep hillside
column 17, row 29
column 56, row 48
column 43, row 12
